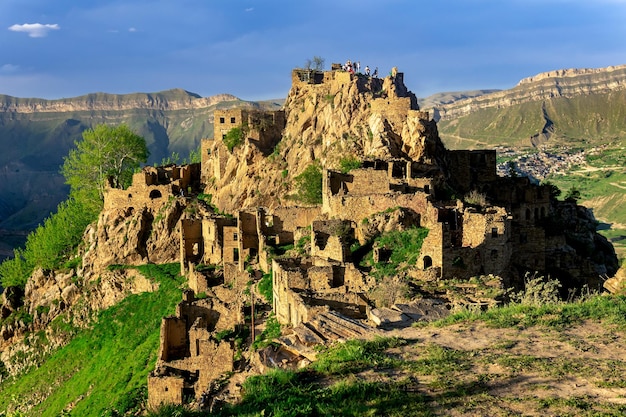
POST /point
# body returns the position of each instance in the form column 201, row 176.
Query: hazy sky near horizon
column 66, row 48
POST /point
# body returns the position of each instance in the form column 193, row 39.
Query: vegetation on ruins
column 234, row 137
column 265, row 287
column 349, row 163
column 106, row 154
column 309, row 185
column 476, row 198
column 404, row 247
column 125, row 337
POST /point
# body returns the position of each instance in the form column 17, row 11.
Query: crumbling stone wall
column 191, row 243
column 165, row 390
column 303, row 289
column 152, row 187
column 189, row 357
column 470, row 169
column 331, row 239
column 173, row 342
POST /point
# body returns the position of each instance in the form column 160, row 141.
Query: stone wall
column 152, row 187
column 301, row 290
column 174, row 343
column 469, row 170
column 191, row 243
column 331, row 239
column 165, row 390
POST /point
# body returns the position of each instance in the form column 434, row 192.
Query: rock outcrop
column 346, row 114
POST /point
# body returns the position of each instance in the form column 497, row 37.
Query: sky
column 66, row 48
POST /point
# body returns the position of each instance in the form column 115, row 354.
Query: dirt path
column 523, row 369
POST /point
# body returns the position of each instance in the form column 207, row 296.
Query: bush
column 349, row 163
column 234, row 138
column 537, row 291
column 309, row 185
column 476, row 198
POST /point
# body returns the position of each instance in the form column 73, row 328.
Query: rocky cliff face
column 346, row 114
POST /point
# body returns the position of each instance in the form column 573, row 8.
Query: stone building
column 191, row 356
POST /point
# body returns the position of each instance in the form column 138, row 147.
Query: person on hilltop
column 367, row 70
column 375, row 74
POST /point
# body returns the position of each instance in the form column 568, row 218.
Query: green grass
column 105, row 367
column 266, row 287
column 405, row 249
column 609, row 309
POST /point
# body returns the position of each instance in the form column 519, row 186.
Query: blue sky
column 66, row 48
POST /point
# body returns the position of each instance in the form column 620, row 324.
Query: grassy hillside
column 532, row 357
column 103, row 370
column 601, row 182
column 580, row 121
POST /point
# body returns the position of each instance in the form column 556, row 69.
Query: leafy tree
column 309, row 185
column 105, row 152
column 234, row 138
column 573, row 194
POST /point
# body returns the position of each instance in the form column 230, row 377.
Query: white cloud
column 132, row 29
column 8, row 68
column 35, row 30
column 249, row 9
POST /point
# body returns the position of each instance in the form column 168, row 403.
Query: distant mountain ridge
column 572, row 105
column 174, row 99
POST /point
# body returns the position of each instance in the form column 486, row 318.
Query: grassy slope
column 602, row 185
column 105, row 367
column 578, row 121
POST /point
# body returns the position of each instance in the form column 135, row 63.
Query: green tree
column 573, row 194
column 234, row 137
column 106, row 152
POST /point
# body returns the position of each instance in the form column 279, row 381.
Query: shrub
column 349, row 163
column 537, row 291
column 234, row 138
column 476, row 198
column 309, row 185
